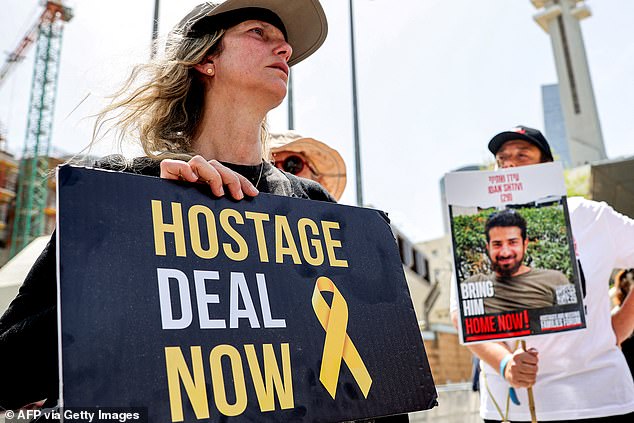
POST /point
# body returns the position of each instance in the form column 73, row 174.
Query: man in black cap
column 580, row 375
column 520, row 146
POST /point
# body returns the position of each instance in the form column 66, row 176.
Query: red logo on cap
column 519, row 131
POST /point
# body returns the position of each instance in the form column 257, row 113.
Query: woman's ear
column 206, row 68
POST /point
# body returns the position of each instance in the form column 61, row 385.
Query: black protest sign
column 272, row 308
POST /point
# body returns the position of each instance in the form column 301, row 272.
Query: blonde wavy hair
column 160, row 104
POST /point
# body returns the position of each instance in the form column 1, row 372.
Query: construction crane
column 18, row 54
column 32, row 180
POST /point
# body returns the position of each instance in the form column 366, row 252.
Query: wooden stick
column 531, row 400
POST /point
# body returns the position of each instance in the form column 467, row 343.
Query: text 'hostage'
column 305, row 235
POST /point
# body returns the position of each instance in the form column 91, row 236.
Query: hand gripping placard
column 338, row 345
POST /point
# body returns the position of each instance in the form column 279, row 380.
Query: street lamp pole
column 155, row 28
column 289, row 97
column 357, row 146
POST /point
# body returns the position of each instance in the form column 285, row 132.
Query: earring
column 210, row 71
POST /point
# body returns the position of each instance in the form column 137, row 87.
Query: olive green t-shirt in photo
column 536, row 288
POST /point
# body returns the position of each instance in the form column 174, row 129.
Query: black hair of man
column 505, row 218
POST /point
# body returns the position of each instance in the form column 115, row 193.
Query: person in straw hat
column 310, row 159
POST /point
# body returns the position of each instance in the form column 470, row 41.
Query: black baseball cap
column 525, row 133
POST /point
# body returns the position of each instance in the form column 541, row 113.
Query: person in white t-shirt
column 579, row 375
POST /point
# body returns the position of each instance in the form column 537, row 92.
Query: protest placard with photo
column 202, row 308
column 515, row 264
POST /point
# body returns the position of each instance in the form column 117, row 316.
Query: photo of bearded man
column 517, row 286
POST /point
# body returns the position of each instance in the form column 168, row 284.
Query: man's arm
column 621, row 230
column 623, row 320
column 521, row 368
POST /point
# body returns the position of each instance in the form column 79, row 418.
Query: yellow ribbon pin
column 338, row 344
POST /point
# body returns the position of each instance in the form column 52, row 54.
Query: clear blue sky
column 436, row 80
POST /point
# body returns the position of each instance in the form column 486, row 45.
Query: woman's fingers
column 212, row 173
column 247, row 187
column 178, row 170
column 208, row 175
column 237, row 184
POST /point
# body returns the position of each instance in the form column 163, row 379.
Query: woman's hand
column 212, row 173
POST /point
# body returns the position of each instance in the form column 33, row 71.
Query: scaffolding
column 33, row 175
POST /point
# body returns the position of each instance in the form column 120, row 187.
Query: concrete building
column 450, row 361
column 428, row 272
column 612, row 181
column 555, row 125
column 9, row 178
column 8, row 186
column 443, row 197
column 560, row 19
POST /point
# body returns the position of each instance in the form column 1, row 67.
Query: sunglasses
column 294, row 164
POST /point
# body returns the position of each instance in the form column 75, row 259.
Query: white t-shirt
column 582, row 374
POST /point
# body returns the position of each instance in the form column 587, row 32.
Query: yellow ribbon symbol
column 338, row 344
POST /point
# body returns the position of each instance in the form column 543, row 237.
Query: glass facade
column 555, row 125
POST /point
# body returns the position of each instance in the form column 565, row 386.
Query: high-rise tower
column 560, row 19
column 554, row 124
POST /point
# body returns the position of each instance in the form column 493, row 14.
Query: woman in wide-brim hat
column 198, row 112
column 201, row 109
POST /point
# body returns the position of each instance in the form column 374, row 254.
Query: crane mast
column 33, row 175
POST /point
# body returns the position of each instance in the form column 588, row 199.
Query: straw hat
column 325, row 164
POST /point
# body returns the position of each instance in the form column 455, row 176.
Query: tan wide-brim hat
column 324, row 160
column 304, row 21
